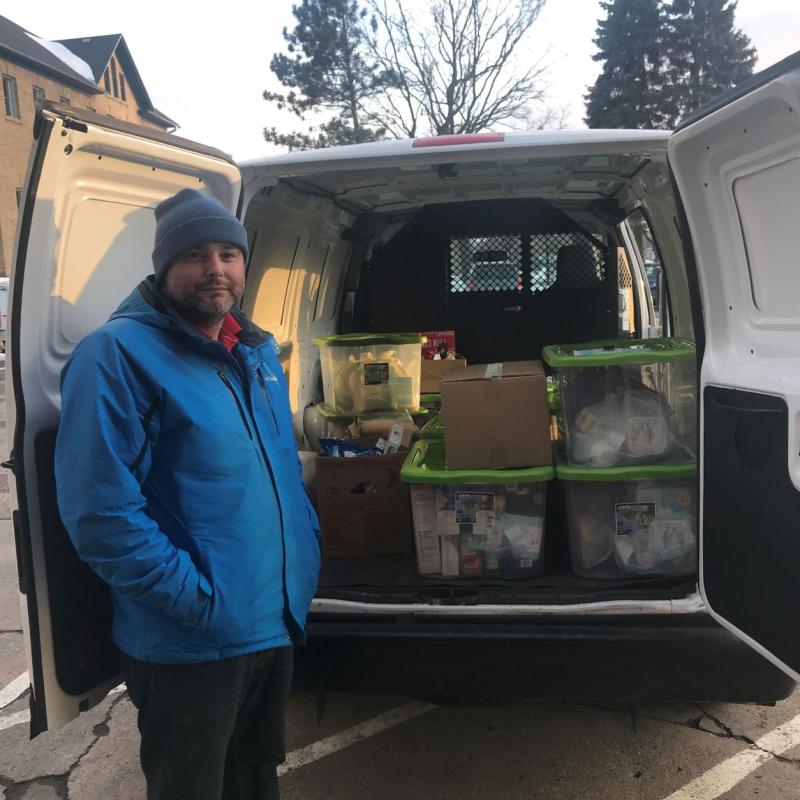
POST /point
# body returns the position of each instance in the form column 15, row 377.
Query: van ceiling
column 400, row 188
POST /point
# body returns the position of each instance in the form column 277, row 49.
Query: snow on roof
column 67, row 56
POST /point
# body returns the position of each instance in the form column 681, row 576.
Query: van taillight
column 458, row 138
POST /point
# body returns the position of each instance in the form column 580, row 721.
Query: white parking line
column 339, row 741
column 723, row 777
column 21, row 717
column 10, row 692
column 710, row 785
column 305, row 755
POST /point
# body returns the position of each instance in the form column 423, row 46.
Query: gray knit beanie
column 188, row 219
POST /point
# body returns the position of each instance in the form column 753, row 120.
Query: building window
column 11, row 97
column 107, row 81
column 19, row 197
column 38, row 97
column 114, row 77
column 122, row 92
column 65, row 101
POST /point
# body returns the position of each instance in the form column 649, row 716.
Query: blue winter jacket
column 180, row 485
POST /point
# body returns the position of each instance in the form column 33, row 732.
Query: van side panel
column 295, row 282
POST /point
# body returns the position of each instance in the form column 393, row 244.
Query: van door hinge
column 74, row 125
column 10, row 464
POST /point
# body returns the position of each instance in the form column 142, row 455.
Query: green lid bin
column 371, row 371
column 627, row 402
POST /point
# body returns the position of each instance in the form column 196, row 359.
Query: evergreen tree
column 327, row 69
column 629, row 92
column 707, row 54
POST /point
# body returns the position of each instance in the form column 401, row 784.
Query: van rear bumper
column 664, row 659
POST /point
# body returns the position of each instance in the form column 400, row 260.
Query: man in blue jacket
column 180, row 485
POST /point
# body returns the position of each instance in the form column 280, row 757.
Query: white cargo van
column 361, row 238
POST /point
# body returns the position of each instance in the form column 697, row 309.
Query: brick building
column 96, row 72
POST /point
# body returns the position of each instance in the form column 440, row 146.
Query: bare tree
column 456, row 71
column 548, row 118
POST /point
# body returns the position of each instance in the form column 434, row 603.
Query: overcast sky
column 206, row 65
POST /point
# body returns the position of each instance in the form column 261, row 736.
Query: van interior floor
column 394, row 579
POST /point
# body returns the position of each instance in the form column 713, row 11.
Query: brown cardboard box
column 364, row 507
column 495, row 416
column 434, row 371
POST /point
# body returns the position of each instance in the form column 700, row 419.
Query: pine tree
column 707, row 54
column 629, row 92
column 326, row 69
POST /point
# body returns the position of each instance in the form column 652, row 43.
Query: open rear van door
column 737, row 168
column 83, row 242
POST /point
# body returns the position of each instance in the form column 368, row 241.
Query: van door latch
column 515, row 309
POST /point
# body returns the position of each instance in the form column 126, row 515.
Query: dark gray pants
column 213, row 730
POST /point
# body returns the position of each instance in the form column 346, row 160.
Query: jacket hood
column 147, row 304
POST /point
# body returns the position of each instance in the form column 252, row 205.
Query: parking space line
column 339, row 741
column 724, row 776
column 10, row 692
column 10, row 720
column 20, row 717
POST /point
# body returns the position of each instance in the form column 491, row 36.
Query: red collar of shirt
column 228, row 333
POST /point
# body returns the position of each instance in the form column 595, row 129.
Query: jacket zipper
column 268, row 465
column 224, row 379
column 148, row 418
column 262, row 384
column 287, row 605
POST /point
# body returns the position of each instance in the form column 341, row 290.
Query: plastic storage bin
column 321, row 420
column 433, row 428
column 370, row 371
column 475, row 523
column 431, row 400
column 626, row 402
column 631, row 521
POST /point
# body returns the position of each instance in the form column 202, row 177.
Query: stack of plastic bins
column 371, row 372
column 627, row 402
column 628, row 423
column 629, row 521
column 475, row 523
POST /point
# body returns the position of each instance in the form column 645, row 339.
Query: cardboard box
column 433, row 372
column 496, row 416
column 364, row 507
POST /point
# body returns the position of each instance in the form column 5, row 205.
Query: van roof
column 400, row 175
column 467, row 148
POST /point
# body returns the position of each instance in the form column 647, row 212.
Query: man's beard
column 204, row 309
